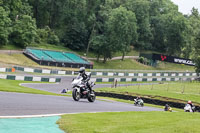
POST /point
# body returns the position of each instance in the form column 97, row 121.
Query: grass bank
column 129, row 122
column 174, row 90
column 20, row 59
column 131, row 64
column 13, row 86
column 7, row 60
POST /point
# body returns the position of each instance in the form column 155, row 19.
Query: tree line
column 101, row 26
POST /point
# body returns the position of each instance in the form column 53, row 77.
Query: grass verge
column 13, row 86
column 169, row 91
column 132, row 102
column 20, row 59
column 134, row 65
column 129, row 122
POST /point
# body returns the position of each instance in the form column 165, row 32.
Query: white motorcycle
column 80, row 90
column 188, row 108
column 139, row 102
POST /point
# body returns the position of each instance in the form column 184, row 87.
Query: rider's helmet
column 189, row 102
column 82, row 70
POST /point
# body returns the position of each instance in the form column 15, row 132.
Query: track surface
column 20, row 104
column 15, row 104
column 66, row 84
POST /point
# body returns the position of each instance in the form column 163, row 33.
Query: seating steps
column 40, row 54
column 57, row 56
column 75, row 58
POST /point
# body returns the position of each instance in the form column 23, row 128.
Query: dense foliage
column 103, row 26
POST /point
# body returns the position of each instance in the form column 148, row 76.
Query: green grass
column 131, row 122
column 119, row 64
column 19, row 59
column 132, row 102
column 22, row 60
column 13, row 86
column 175, row 90
column 134, row 65
column 131, row 82
column 172, row 66
column 10, row 47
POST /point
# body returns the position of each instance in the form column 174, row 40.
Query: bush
column 144, row 61
column 48, row 36
column 4, row 26
column 42, row 34
column 141, row 60
column 53, row 38
column 24, row 31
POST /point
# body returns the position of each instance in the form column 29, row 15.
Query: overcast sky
column 185, row 6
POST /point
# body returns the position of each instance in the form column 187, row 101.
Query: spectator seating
column 56, row 58
column 75, row 58
column 40, row 54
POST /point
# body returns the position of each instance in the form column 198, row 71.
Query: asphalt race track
column 15, row 104
column 66, row 84
column 20, row 104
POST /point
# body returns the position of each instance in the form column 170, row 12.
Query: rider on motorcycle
column 192, row 106
column 137, row 99
column 167, row 108
column 86, row 77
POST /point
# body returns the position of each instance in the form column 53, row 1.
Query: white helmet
column 82, row 70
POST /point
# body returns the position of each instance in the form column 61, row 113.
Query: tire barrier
column 180, row 104
column 29, row 78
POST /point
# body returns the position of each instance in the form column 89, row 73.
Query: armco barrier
column 120, row 74
column 7, row 69
column 139, row 79
column 29, row 78
column 45, row 71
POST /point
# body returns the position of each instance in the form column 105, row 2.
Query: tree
column 99, row 45
column 4, row 26
column 17, row 8
column 121, row 29
column 73, row 33
column 196, row 56
column 175, row 27
column 141, row 9
column 24, row 31
column 193, row 25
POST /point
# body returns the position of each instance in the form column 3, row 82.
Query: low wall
column 143, row 79
column 29, row 78
column 7, row 70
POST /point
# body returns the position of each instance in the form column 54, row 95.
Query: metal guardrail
column 147, row 71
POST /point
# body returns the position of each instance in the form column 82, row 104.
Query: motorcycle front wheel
column 76, row 95
column 91, row 96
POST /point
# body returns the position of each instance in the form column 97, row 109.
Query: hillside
column 22, row 60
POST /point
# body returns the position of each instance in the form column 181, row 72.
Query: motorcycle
column 80, row 90
column 168, row 109
column 139, row 102
column 188, row 108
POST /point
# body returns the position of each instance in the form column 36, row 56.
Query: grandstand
column 56, row 58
